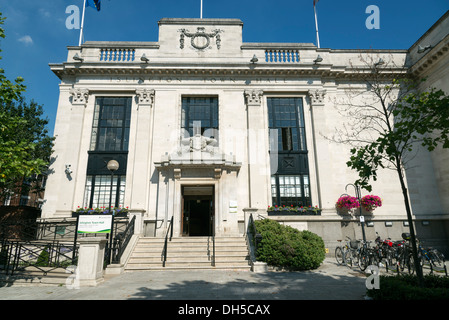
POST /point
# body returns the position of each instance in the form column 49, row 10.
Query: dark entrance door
column 198, row 213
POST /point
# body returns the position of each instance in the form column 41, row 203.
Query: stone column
column 258, row 158
column 74, row 173
column 140, row 156
column 317, row 122
column 90, row 261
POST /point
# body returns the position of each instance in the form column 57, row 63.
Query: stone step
column 189, row 253
column 188, row 266
column 188, row 258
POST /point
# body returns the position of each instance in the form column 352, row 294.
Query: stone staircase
column 187, row 253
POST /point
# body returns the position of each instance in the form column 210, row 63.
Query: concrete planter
column 121, row 214
column 294, row 213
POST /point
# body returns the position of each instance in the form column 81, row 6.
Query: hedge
column 286, row 247
column 405, row 287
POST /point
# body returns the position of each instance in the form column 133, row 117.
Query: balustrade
column 282, row 55
column 117, row 55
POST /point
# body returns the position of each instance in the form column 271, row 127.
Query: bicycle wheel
column 392, row 260
column 437, row 259
column 364, row 260
column 349, row 261
column 339, row 255
column 410, row 264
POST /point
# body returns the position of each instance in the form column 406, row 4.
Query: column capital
column 253, row 97
column 79, row 96
column 317, row 97
column 145, row 96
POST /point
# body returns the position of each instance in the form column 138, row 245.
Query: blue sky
column 36, row 32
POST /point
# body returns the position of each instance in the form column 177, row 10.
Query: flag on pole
column 96, row 4
column 316, row 23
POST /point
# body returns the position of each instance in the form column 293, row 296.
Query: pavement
column 328, row 282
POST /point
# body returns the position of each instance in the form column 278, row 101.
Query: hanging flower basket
column 116, row 211
column 293, row 210
column 371, row 202
column 346, row 203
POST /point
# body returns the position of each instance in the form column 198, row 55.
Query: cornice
column 436, row 54
column 261, row 70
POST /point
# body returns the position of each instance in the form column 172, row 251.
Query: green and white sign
column 95, row 223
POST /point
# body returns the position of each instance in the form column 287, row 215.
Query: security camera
column 67, row 169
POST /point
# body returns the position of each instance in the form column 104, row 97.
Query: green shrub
column 44, row 258
column 405, row 287
column 287, row 247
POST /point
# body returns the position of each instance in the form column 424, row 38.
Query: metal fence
column 49, row 245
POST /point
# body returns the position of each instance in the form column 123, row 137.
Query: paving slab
column 328, row 282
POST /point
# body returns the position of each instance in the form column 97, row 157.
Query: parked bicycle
column 352, row 253
column 340, row 251
column 431, row 257
column 367, row 256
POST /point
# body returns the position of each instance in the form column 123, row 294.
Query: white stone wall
column 223, row 71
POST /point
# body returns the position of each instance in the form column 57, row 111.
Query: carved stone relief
column 201, row 39
column 145, row 96
column 317, row 97
column 79, row 96
column 253, row 97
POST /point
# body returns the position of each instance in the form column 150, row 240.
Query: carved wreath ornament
column 200, row 40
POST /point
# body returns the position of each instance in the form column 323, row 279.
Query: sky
column 36, row 31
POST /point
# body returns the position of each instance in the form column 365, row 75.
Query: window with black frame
column 110, row 128
column 201, row 112
column 109, row 140
column 290, row 184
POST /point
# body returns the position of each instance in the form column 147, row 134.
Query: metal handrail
column 121, row 241
column 253, row 238
column 164, row 251
column 213, row 240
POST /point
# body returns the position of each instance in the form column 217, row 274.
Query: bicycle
column 384, row 251
column 367, row 256
column 431, row 257
column 340, row 253
column 405, row 260
column 352, row 253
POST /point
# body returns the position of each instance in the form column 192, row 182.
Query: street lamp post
column 112, row 166
column 359, row 197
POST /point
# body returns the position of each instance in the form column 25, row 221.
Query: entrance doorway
column 197, row 210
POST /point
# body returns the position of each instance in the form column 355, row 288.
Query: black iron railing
column 121, row 241
column 48, row 245
column 211, row 238
column 169, row 232
column 41, row 255
column 253, row 238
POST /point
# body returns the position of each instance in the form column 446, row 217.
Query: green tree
column 389, row 128
column 25, row 146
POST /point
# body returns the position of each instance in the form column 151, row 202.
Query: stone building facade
column 208, row 129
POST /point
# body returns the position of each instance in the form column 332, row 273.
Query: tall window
column 286, row 116
column 200, row 111
column 109, row 140
column 110, row 129
column 98, row 190
column 290, row 183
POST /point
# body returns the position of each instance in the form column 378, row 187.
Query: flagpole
column 82, row 24
column 316, row 27
column 201, row 12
